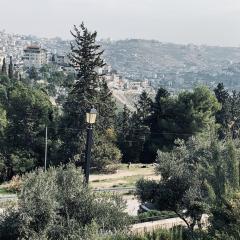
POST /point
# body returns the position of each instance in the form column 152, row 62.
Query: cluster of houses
column 36, row 56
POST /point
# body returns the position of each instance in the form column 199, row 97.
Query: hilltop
column 173, row 65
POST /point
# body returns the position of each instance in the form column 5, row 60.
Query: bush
column 57, row 205
column 225, row 219
column 159, row 234
column 105, row 154
column 154, row 215
column 14, row 185
column 9, row 225
column 145, row 189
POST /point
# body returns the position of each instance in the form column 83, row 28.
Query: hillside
column 172, row 65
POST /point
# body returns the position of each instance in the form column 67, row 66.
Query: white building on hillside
column 35, row 56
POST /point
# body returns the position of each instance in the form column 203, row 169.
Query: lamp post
column 90, row 119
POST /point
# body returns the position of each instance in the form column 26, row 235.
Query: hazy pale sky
column 213, row 22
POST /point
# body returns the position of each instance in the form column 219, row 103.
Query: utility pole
column 46, row 148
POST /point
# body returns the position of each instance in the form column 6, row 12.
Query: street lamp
column 90, row 119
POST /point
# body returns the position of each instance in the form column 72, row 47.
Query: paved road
column 119, row 189
column 165, row 224
column 132, row 208
column 132, row 205
column 7, row 197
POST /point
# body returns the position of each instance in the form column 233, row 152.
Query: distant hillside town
column 30, row 52
column 134, row 65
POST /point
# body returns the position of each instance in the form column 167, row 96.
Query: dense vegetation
column 192, row 137
column 57, row 204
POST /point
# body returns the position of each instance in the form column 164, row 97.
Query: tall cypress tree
column 223, row 116
column 4, row 67
column 10, row 69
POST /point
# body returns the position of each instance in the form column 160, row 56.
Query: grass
column 125, row 177
column 4, row 191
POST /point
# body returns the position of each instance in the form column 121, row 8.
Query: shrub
column 14, row 185
column 57, row 205
column 159, row 234
column 9, row 225
column 154, row 215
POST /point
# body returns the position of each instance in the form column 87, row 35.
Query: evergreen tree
column 123, row 130
column 144, row 106
column 228, row 117
column 138, row 130
column 89, row 90
column 155, row 140
column 106, row 106
column 28, row 111
column 179, row 116
column 10, row 69
column 4, row 67
column 223, row 116
column 33, row 75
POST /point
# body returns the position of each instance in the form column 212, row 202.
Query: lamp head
column 91, row 116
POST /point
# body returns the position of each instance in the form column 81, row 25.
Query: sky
column 211, row 22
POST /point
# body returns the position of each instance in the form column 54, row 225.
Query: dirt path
column 149, row 171
column 123, row 178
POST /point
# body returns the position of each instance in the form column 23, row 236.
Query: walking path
column 164, row 224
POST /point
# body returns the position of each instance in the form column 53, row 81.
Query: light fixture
column 91, row 116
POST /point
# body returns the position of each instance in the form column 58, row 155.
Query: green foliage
column 154, row 215
column 228, row 117
column 159, row 234
column 33, row 74
column 90, row 89
column 26, row 112
column 145, row 190
column 4, row 67
column 132, row 129
column 58, row 205
column 105, row 152
column 9, row 225
column 179, row 117
column 194, row 177
column 10, row 69
column 225, row 219
column 15, row 185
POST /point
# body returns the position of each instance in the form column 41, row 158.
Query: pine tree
column 139, row 131
column 4, row 67
column 89, row 90
column 106, row 106
column 154, row 141
column 144, row 106
column 124, row 124
column 123, row 130
column 223, row 116
column 85, row 57
column 233, row 165
column 10, row 69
